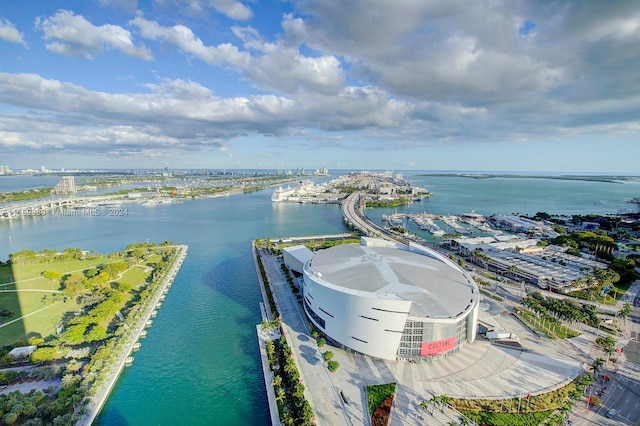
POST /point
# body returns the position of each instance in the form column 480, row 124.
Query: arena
column 389, row 300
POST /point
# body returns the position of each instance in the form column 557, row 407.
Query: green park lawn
column 135, row 276
column 154, row 258
column 34, row 290
column 25, row 272
column 42, row 322
column 6, row 276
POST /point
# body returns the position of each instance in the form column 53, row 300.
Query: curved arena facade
column 391, row 301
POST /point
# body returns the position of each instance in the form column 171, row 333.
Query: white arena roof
column 437, row 289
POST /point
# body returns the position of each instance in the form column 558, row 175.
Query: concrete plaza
column 479, row 370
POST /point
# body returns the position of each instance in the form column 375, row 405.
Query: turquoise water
column 199, row 364
column 457, row 195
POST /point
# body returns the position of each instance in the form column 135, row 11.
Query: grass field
column 134, row 276
column 6, row 275
column 33, row 300
column 42, row 323
column 25, row 272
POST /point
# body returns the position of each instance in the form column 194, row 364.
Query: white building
column 295, row 257
column 390, row 301
column 67, row 185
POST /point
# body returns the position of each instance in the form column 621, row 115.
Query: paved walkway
column 319, row 390
column 29, row 386
column 263, row 337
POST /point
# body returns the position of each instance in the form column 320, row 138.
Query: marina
column 426, row 222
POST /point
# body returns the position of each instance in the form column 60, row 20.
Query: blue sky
column 456, row 85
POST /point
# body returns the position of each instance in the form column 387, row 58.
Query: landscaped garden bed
column 380, row 401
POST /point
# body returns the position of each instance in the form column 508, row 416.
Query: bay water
column 199, row 364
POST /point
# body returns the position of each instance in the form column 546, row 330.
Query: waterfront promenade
column 126, row 345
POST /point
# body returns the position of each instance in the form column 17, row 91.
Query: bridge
column 355, row 216
column 51, row 206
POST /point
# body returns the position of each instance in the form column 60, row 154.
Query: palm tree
column 609, row 346
column 277, row 381
column 290, row 366
column 270, row 348
column 597, row 365
column 588, row 379
column 445, row 400
column 280, row 396
column 435, row 401
column 564, row 411
column 265, row 325
column 625, row 311
column 287, row 419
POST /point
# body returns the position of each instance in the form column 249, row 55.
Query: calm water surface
column 199, row 364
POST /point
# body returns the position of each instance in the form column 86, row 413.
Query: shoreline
column 584, row 178
column 97, row 401
column 263, row 336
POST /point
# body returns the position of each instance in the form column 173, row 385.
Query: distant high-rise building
column 66, row 186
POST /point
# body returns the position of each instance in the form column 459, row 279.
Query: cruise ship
column 281, row 194
column 299, row 193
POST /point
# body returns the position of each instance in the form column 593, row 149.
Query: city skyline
column 347, row 85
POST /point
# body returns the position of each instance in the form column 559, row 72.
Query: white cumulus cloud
column 271, row 66
column 73, row 35
column 8, row 32
column 230, row 8
column 185, row 40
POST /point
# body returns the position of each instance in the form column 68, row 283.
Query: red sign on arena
column 437, row 347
